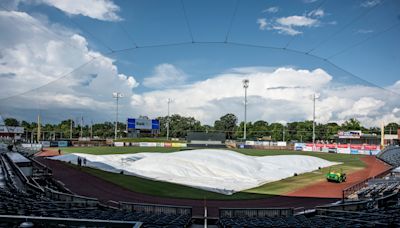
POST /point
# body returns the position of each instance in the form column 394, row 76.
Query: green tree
column 391, row 128
column 11, row 122
column 259, row 129
column 227, row 124
column 179, row 125
column 276, row 130
column 351, row 124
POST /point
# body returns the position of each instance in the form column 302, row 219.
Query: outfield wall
column 151, row 144
column 339, row 148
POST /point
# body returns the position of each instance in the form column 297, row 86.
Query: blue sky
column 359, row 36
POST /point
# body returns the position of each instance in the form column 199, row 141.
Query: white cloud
column 276, row 95
column 297, row 21
column 370, row 3
column 316, row 13
column 131, row 81
column 363, row 107
column 33, row 56
column 291, row 25
column 272, row 9
column 286, row 30
column 104, row 10
column 309, row 1
column 165, row 76
column 262, row 23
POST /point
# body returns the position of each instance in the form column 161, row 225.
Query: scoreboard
column 143, row 124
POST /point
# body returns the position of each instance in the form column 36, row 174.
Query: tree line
column 300, row 131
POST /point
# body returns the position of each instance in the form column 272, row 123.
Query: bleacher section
column 377, row 206
column 19, row 203
column 391, row 155
column 375, row 190
column 45, row 206
column 383, row 217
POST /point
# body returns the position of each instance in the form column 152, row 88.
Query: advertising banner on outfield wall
column 135, row 144
column 119, row 144
column 339, row 148
column 45, row 144
column 160, row 144
column 299, row 146
column 167, row 144
column 148, row 144
column 62, row 143
column 179, row 145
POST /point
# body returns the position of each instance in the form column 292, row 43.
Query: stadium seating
column 375, row 190
column 391, row 155
column 20, row 203
column 16, row 201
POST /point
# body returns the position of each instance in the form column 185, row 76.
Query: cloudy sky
column 64, row 59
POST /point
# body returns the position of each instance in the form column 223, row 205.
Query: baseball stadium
column 221, row 114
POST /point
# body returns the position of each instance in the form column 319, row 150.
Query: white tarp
column 222, row 171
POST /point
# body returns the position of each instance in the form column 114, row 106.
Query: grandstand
column 391, row 155
column 379, row 210
column 44, row 202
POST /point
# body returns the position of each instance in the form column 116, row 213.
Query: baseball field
column 349, row 164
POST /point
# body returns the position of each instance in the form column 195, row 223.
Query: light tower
column 314, row 97
column 245, row 86
column 116, row 95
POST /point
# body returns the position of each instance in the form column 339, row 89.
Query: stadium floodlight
column 116, row 95
column 314, row 97
column 245, row 86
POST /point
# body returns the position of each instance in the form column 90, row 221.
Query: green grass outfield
column 350, row 163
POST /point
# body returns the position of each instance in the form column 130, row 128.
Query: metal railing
column 255, row 212
column 48, row 221
column 155, row 208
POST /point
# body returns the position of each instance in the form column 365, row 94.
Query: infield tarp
column 221, row 171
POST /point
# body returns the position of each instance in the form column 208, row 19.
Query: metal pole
column 245, row 112
column 38, row 129
column 81, row 133
column 169, row 101
column 245, row 86
column 91, row 129
column 116, row 118
column 283, row 134
column 313, row 130
column 116, row 95
column 70, row 129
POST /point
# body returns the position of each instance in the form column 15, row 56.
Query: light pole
column 245, row 86
column 314, row 97
column 169, row 102
column 116, row 95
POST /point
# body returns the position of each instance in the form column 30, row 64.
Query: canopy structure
column 221, row 171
